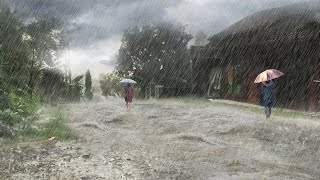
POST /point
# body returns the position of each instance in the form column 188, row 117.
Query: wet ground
column 177, row 140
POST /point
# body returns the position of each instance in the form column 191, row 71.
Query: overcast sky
column 97, row 25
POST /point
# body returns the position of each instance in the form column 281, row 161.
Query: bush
column 4, row 100
column 110, row 85
column 16, row 112
column 8, row 120
column 55, row 127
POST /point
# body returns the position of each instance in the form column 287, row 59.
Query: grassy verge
column 52, row 124
column 55, row 126
column 278, row 112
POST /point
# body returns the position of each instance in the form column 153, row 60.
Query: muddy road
column 171, row 140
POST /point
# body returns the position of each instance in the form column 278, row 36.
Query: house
column 285, row 38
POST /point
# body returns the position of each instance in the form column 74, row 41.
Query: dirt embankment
column 157, row 140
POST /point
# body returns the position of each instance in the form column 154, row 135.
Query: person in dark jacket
column 267, row 97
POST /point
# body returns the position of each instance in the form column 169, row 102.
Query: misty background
column 96, row 26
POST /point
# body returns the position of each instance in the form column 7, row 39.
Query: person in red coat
column 128, row 95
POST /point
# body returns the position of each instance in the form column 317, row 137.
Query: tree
column 109, row 84
column 44, row 38
column 155, row 54
column 76, row 89
column 200, row 39
column 88, row 85
column 52, row 85
column 29, row 54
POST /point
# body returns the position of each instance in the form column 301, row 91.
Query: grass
column 200, row 101
column 56, row 126
column 278, row 112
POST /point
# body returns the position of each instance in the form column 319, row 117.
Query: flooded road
column 176, row 140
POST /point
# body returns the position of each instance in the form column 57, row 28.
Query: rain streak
column 159, row 89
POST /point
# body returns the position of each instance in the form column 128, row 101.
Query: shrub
column 16, row 112
column 110, row 85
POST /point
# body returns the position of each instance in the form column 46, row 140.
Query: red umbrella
column 267, row 75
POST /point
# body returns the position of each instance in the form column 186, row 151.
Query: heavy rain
column 159, row 89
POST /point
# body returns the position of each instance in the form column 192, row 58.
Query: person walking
column 267, row 97
column 128, row 95
column 267, row 94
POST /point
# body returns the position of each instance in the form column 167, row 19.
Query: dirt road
column 161, row 140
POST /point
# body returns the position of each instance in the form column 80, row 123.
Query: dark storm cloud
column 212, row 16
column 91, row 20
column 101, row 21
column 96, row 26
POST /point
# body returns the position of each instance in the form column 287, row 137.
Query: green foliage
column 201, row 39
column 45, row 37
column 76, row 88
column 156, row 55
column 55, row 127
column 29, row 55
column 16, row 112
column 5, row 102
column 51, row 85
column 110, row 85
column 88, row 85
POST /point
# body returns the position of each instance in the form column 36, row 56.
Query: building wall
column 314, row 93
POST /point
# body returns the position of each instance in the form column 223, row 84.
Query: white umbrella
column 128, row 81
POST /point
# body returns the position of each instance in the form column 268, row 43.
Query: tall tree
column 155, row 54
column 29, row 52
column 45, row 39
column 77, row 87
column 201, row 39
column 88, row 85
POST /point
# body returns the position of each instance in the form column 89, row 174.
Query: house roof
column 277, row 22
column 274, row 36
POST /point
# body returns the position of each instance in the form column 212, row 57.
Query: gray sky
column 97, row 25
